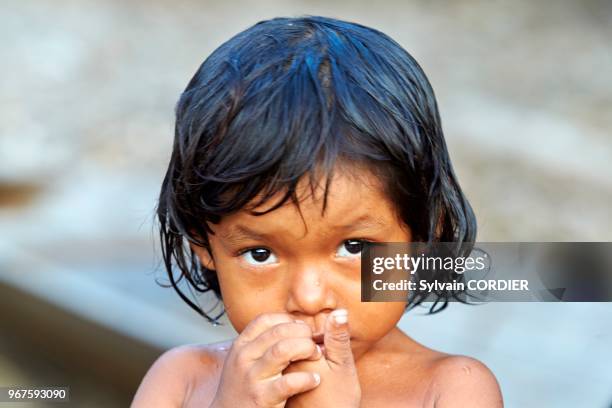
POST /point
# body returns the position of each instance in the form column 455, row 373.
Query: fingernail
column 317, row 378
column 340, row 316
column 319, row 352
column 300, row 321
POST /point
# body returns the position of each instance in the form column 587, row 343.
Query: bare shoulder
column 177, row 373
column 461, row 381
column 430, row 378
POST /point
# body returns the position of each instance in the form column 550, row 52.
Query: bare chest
column 384, row 383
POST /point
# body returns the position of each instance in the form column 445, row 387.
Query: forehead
column 349, row 187
column 355, row 197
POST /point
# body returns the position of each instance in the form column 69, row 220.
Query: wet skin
column 302, row 264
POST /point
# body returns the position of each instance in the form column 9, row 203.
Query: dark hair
column 291, row 95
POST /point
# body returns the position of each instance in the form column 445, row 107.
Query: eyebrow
column 241, row 233
column 363, row 222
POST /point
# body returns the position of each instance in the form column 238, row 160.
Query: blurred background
column 86, row 124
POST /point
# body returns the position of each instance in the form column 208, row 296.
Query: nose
column 311, row 290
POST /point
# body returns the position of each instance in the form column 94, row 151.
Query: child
column 297, row 141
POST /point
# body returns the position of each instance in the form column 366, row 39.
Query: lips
column 318, row 338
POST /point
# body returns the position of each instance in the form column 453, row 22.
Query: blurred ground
column 87, row 96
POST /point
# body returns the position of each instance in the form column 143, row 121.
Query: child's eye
column 259, row 256
column 351, row 248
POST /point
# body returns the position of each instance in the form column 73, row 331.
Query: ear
column 204, row 255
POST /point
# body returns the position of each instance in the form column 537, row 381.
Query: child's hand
column 253, row 371
column 339, row 382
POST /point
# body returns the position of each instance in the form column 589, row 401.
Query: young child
column 297, row 141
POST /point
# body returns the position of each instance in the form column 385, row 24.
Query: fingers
column 288, row 385
column 337, row 339
column 260, row 324
column 282, row 353
column 273, row 335
column 259, row 355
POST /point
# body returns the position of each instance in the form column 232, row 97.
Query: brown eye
column 350, row 248
column 259, row 256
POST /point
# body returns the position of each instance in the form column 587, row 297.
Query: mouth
column 318, row 338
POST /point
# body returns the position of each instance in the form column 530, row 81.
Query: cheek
column 376, row 319
column 242, row 299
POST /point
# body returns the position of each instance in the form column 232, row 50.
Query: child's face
column 279, row 262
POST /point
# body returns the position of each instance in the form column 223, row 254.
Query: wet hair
column 286, row 98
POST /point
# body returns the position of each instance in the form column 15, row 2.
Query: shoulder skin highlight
column 169, row 382
column 461, row 381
